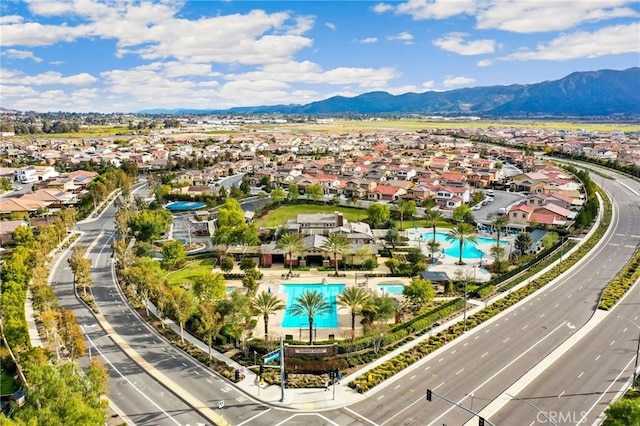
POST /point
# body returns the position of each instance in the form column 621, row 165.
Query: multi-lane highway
column 474, row 370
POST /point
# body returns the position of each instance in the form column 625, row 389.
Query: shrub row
column 621, row 283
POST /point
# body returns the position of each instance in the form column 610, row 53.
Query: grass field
column 189, row 273
column 282, row 214
column 414, row 125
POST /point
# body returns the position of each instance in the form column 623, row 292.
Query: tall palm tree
column 310, row 303
column 356, row 299
column 291, row 243
column 405, row 207
column 336, row 243
column 499, row 223
column 432, row 218
column 462, row 233
column 266, row 304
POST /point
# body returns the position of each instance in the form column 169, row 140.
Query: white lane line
column 541, row 315
column 184, row 364
column 580, row 375
column 436, row 388
column 465, row 344
column 396, row 387
column 173, row 356
column 361, row 416
column 612, row 342
column 380, row 397
column 440, row 360
column 197, row 374
column 251, row 418
column 484, row 354
column 426, row 368
column 412, row 377
column 506, row 340
column 561, row 393
column 460, row 371
column 625, row 329
column 209, row 381
column 476, row 337
column 525, row 327
column 597, row 358
column 453, row 351
column 556, row 305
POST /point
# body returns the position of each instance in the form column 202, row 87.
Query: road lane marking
column 506, row 340
column 412, row 377
column 426, row 368
column 257, row 415
column 525, row 327
column 184, row 364
column 556, row 305
column 197, row 374
column 561, row 393
column 360, row 415
column 397, row 386
column 597, row 358
column 580, row 375
column 380, row 397
column 209, row 381
column 460, row 371
column 484, row 354
column 612, row 342
column 440, row 359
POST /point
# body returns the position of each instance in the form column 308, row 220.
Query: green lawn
column 7, row 384
column 282, row 214
column 190, row 272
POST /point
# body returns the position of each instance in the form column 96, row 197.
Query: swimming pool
column 469, row 250
column 185, row 205
column 329, row 292
column 390, row 288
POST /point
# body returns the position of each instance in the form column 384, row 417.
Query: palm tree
column 434, row 246
column 336, row 243
column 356, row 299
column 432, row 218
column 462, row 233
column 405, row 207
column 498, row 223
column 310, row 303
column 523, row 242
column 290, row 243
column 266, row 304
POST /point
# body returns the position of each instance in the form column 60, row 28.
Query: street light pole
column 635, row 365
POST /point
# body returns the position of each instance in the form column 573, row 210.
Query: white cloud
column 404, row 36
column 48, row 78
column 454, row 42
column 612, row 40
column 382, row 8
column 400, row 90
column 16, row 91
column 435, row 9
column 484, row 62
column 36, row 34
column 457, row 81
column 11, row 19
column 57, row 62
column 21, row 54
column 311, row 73
column 542, row 16
column 330, row 25
column 369, row 40
column 429, row 85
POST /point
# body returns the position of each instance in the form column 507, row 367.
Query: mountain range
column 591, row 93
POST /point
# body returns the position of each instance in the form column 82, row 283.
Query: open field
column 282, row 214
column 190, row 272
column 85, row 132
column 339, row 126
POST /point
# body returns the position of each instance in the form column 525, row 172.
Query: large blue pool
column 469, row 250
column 330, row 293
column 185, row 206
column 390, row 288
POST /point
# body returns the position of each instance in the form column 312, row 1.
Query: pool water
column 329, row 292
column 394, row 289
column 185, row 205
column 469, row 250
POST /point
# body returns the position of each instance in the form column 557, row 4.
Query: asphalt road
column 491, row 357
column 580, row 385
column 483, row 363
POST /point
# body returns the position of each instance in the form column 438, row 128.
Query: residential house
column 386, row 193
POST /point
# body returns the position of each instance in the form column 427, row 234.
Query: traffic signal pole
column 481, row 420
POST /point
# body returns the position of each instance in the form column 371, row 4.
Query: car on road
column 476, row 207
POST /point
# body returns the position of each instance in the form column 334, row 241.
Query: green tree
column 183, row 307
column 277, row 195
column 265, row 304
column 23, row 236
column 550, row 239
column 393, row 236
column 315, row 192
column 173, row 254
column 310, row 304
column 462, row 233
column 419, row 292
column 462, row 213
column 433, row 218
column 226, row 263
column 434, row 246
column 378, row 214
column 68, row 217
column 623, row 412
column 293, row 193
column 523, row 242
column 209, row 323
column 145, row 278
column 356, row 299
column 336, row 243
column 71, row 334
column 498, row 254
column 209, row 287
column 498, row 223
column 82, row 275
column 232, row 226
column 381, row 309
column 405, row 208
column 161, row 192
column 148, row 225
column 290, row 244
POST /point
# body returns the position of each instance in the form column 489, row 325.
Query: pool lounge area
column 469, row 250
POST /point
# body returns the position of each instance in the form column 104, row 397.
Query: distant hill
column 593, row 93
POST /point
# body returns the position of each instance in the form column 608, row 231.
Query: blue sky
column 126, row 56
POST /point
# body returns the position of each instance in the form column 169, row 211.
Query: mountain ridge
column 581, row 93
